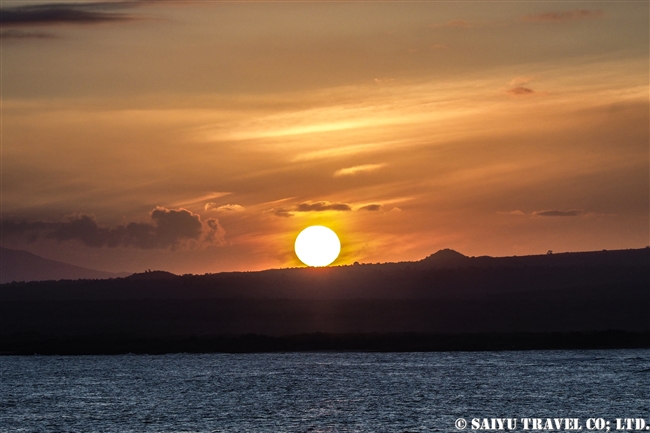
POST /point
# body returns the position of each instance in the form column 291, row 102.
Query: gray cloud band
column 319, row 206
column 371, row 207
column 558, row 213
column 64, row 13
column 169, row 229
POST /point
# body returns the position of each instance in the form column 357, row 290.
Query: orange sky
column 203, row 136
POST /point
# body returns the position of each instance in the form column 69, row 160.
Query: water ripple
column 316, row 392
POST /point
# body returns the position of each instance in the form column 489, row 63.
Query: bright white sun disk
column 317, row 246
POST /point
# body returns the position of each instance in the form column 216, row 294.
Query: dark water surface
column 317, row 392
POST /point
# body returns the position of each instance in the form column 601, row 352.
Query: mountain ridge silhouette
column 587, row 292
column 20, row 265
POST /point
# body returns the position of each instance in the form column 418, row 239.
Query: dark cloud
column 558, row 213
column 281, row 212
column 572, row 15
column 20, row 34
column 64, row 13
column 169, row 228
column 371, row 207
column 519, row 91
column 321, row 206
column 213, row 233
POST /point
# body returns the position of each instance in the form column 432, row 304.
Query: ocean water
column 318, row 392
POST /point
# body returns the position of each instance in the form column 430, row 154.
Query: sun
column 317, row 246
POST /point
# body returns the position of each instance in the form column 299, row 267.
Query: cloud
column 572, row 15
column 281, row 212
column 170, row 228
column 224, row 208
column 321, row 206
column 514, row 212
column 371, row 207
column 558, row 213
column 196, row 200
column 546, row 213
column 63, row 13
column 349, row 171
column 521, row 91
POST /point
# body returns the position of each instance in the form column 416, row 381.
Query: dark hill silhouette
column 152, row 276
column 549, row 294
column 446, row 258
column 18, row 265
column 452, row 259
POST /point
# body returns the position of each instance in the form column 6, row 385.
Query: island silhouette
column 446, row 301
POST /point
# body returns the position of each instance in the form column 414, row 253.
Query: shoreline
column 113, row 344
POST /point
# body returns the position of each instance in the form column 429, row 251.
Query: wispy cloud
column 321, row 206
column 371, row 207
column 281, row 212
column 558, row 213
column 224, row 208
column 514, row 212
column 546, row 213
column 64, row 13
column 199, row 199
column 521, row 91
column 572, row 15
column 169, row 228
column 358, row 169
column 338, row 152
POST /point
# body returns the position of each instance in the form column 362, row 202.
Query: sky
column 203, row 136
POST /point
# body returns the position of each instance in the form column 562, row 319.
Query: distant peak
column 446, row 258
column 447, row 254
